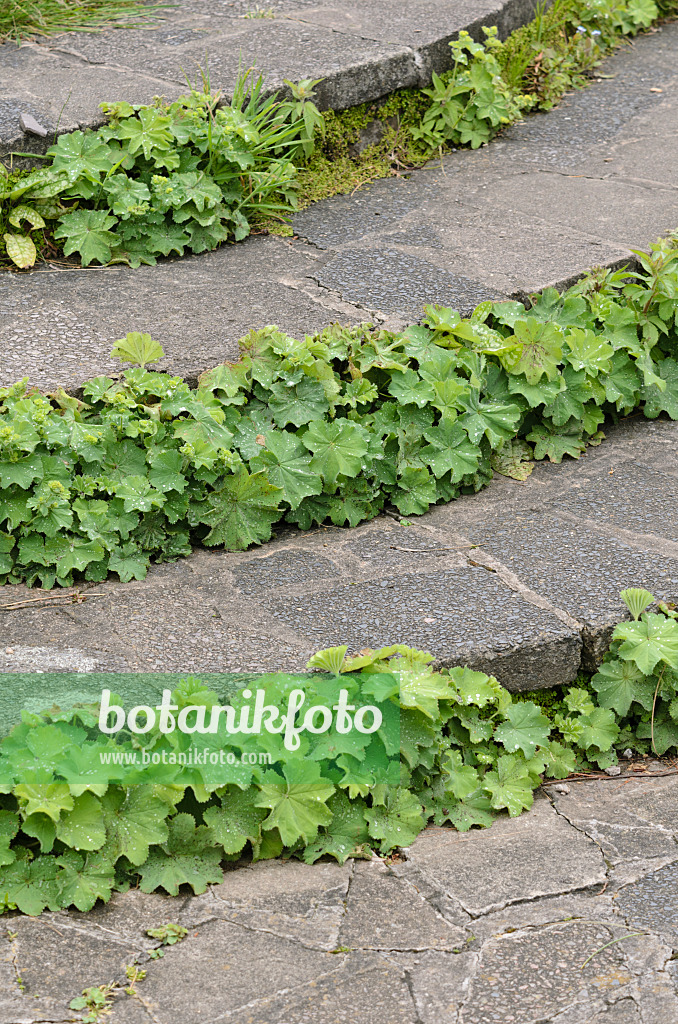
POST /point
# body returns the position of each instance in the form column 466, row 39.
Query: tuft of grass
column 22, row 18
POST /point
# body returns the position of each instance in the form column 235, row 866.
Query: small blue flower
column 596, row 32
column 581, row 29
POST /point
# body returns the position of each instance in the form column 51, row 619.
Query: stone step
column 521, row 580
column 581, row 185
column 537, row 598
column 360, row 51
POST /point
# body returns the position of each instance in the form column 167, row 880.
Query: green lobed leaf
column 88, row 233
column 242, row 511
column 338, row 448
column 525, row 728
column 647, row 642
column 297, row 801
column 187, row 857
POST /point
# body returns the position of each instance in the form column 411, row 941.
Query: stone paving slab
column 579, row 186
column 535, row 598
column 487, row 927
column 360, row 52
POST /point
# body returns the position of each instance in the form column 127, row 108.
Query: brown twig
column 76, row 598
column 603, row 777
column 418, row 551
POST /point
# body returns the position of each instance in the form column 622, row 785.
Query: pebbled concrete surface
column 521, row 580
column 579, row 186
column 487, row 927
column 360, row 52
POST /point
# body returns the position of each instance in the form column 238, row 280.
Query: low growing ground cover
column 170, row 178
column 141, row 466
column 467, row 750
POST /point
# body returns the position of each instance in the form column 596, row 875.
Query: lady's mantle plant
column 162, row 179
column 331, row 427
column 467, row 750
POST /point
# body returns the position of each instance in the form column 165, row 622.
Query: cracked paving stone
column 534, row 855
column 290, row 899
column 382, row 545
column 282, row 569
column 128, row 1010
column 523, row 978
column 652, row 902
column 392, row 281
column 16, row 1006
column 623, row 1012
column 385, row 912
column 228, row 966
column 633, row 820
column 127, row 916
column 599, row 906
column 591, row 568
column 632, row 497
column 193, row 306
column 439, row 983
column 365, row 988
column 650, row 960
column 57, row 958
column 167, row 622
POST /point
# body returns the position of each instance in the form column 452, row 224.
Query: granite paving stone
column 375, row 614
column 631, row 497
column 284, row 569
column 359, row 56
column 556, row 984
column 45, row 949
column 387, row 913
column 525, row 858
column 302, row 902
column 634, row 823
column 365, row 987
column 388, row 279
column 652, row 901
column 591, row 570
column 228, row 966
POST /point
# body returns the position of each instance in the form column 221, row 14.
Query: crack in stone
column 515, row 583
column 280, row 992
column 146, row 1008
column 433, row 896
column 572, row 824
column 270, row 931
column 647, row 184
column 101, row 65
column 641, row 541
column 11, row 938
column 72, row 926
column 347, row 894
column 409, row 981
column 523, row 901
column 336, row 303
